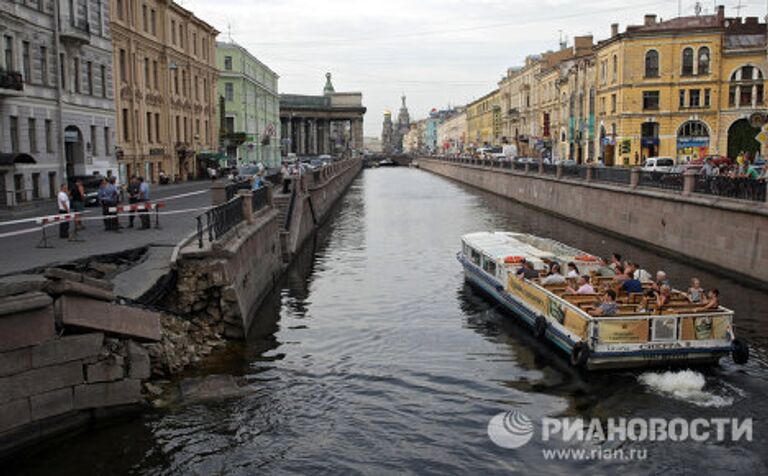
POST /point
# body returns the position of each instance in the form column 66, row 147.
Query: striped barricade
column 53, row 219
column 140, row 207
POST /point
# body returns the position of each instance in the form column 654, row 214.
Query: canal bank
column 669, row 222
column 373, row 355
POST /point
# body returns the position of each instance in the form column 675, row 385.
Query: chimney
column 650, row 20
column 720, row 14
column 614, row 30
column 751, row 21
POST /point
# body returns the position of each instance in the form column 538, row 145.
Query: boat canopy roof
column 500, row 245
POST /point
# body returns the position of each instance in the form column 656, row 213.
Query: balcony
column 11, row 83
column 78, row 33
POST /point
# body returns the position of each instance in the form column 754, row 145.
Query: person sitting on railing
column 712, row 302
column 582, row 286
column 608, row 305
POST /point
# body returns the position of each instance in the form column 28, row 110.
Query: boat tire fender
column 579, row 354
column 739, row 351
column 539, row 327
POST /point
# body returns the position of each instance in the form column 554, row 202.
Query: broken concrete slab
column 141, row 278
column 211, row 387
column 59, row 287
column 66, row 275
column 97, row 395
column 138, row 361
column 26, row 328
column 21, row 283
column 51, row 403
column 67, row 349
column 105, row 370
column 110, row 318
column 24, row 302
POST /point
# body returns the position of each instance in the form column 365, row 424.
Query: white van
column 658, row 164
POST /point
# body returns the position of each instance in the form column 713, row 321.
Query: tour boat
column 679, row 334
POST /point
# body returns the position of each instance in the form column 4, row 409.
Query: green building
column 251, row 123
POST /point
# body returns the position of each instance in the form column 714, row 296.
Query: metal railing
column 611, row 174
column 549, row 169
column 291, row 206
column 232, row 188
column 571, row 171
column 260, row 198
column 219, row 220
column 666, row 181
column 732, row 187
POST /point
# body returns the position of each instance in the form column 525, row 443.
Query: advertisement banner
column 627, row 331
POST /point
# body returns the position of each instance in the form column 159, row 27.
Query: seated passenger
column 713, row 301
column 696, row 292
column 663, row 297
column 645, row 301
column 608, row 307
column 661, row 280
column 604, row 269
column 615, row 262
column 632, row 285
column 582, row 287
column 554, row 276
column 573, row 271
column 526, row 271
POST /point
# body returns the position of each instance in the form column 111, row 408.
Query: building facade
column 452, row 133
column 165, row 89
column 319, row 125
column 484, row 121
column 56, row 97
column 251, row 106
column 682, row 88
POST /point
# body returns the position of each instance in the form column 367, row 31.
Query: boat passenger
column 604, row 269
column 645, row 302
column 661, row 280
column 573, row 271
column 526, row 271
column 712, row 302
column 663, row 297
column 615, row 261
column 554, row 276
column 608, row 307
column 582, row 286
column 696, row 292
column 642, row 275
column 632, row 285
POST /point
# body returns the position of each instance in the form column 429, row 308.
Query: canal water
column 375, row 357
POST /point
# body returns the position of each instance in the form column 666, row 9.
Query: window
column 48, row 136
column 207, row 137
column 703, row 60
column 707, row 97
column 693, row 129
column 107, row 138
column 119, row 6
column 229, row 91
column 197, row 89
column 613, row 102
column 32, row 125
column 89, row 77
column 652, row 64
column 197, row 127
column 76, row 74
column 36, row 185
column 186, row 129
column 229, row 124
column 146, row 72
column 228, row 63
column 687, row 62
column 489, row 266
column 176, row 81
column 14, row 127
column 52, row 184
column 157, row 127
column 194, row 43
column 153, row 22
column 44, row 65
column 103, row 74
column 145, row 18
column 126, row 119
column 682, row 98
column 615, row 68
column 94, row 145
column 694, row 97
column 149, row 127
column 123, row 66
column 184, row 82
column 154, row 75
column 205, row 89
column 178, row 129
column 72, row 12
column 173, row 32
column 746, row 87
column 26, row 62
column 9, row 65
column 651, row 100
column 475, row 257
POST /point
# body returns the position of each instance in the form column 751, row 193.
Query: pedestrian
column 114, row 200
column 78, row 203
column 63, row 203
column 103, row 196
column 133, row 198
column 286, row 178
column 144, row 198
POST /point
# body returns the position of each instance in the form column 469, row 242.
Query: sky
column 436, row 52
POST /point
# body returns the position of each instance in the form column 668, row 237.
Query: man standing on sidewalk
column 144, row 198
column 133, row 198
column 103, row 196
column 63, row 202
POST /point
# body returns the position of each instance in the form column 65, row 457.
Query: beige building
column 452, row 134
column 165, row 89
column 484, row 121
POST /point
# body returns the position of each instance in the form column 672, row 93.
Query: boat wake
column 685, row 385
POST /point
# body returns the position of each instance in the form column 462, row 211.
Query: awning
column 11, row 159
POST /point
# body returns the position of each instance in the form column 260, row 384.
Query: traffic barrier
column 140, row 207
column 52, row 220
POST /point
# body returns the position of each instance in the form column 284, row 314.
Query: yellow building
column 680, row 88
column 484, row 121
column 165, row 88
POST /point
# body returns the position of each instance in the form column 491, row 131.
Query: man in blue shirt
column 144, row 198
column 105, row 199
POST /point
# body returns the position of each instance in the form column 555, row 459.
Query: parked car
column 91, row 185
column 658, row 164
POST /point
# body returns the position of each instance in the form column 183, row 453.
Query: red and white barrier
column 137, row 207
column 47, row 220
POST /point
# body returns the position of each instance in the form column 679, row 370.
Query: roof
column 11, row 159
column 500, row 245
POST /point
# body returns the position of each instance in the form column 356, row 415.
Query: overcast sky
column 436, row 52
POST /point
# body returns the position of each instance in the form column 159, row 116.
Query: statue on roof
column 328, row 89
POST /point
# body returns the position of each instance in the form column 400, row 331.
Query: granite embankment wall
column 721, row 234
column 229, row 279
column 68, row 354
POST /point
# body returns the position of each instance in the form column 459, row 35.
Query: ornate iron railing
column 663, row 180
column 260, row 198
column 611, row 174
column 232, row 188
column 219, row 220
column 732, row 187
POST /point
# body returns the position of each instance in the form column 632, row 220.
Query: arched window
column 746, row 88
column 652, row 64
column 687, row 62
column 703, row 60
column 693, row 129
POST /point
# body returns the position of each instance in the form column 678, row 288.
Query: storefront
column 692, row 141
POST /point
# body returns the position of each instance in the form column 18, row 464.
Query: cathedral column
column 356, row 132
column 315, row 148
